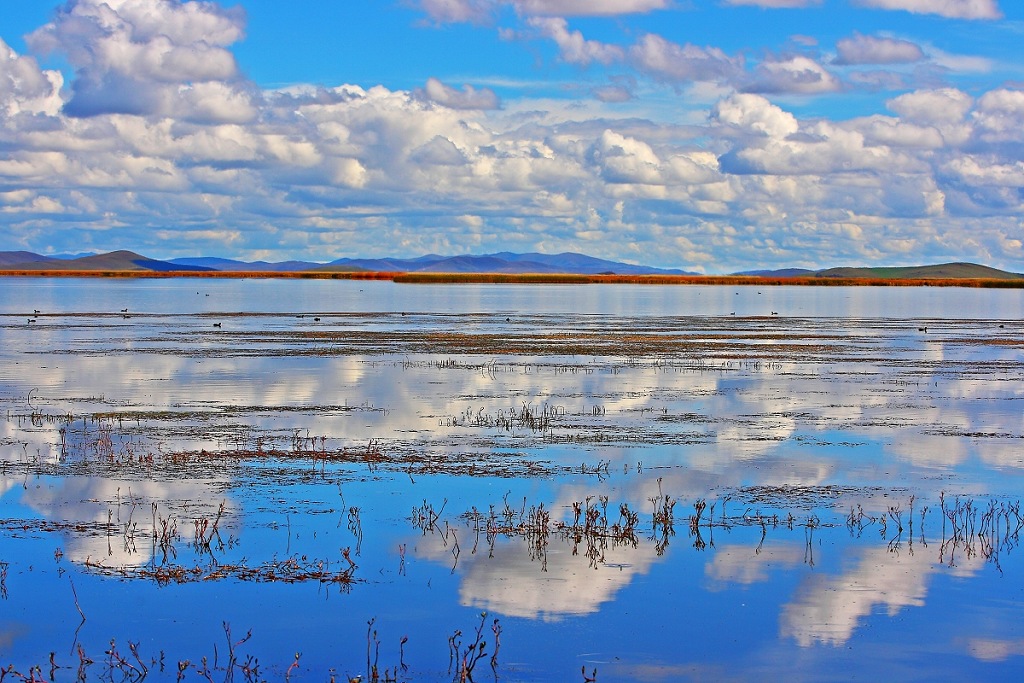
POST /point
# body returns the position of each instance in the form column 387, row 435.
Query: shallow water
column 659, row 483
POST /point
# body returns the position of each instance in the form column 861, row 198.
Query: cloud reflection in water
column 828, row 609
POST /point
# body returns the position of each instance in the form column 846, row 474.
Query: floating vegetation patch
column 804, row 496
column 289, row 570
column 23, row 527
column 965, row 434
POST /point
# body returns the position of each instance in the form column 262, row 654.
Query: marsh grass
column 465, row 655
column 234, row 663
column 969, row 529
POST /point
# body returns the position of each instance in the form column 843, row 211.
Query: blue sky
column 711, row 135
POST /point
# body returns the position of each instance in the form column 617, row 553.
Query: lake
column 318, row 480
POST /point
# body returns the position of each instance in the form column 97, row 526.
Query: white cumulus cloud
column 467, row 98
column 1000, row 115
column 754, row 114
column 795, row 74
column 24, row 87
column 954, row 9
column 626, row 160
column 668, row 61
column 588, row 7
column 945, row 105
column 446, row 11
column 131, row 56
column 861, row 49
column 574, row 48
column 481, row 11
column 775, row 4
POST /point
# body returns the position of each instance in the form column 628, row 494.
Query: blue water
column 203, row 295
column 860, row 478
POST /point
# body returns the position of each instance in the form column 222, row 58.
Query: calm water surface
column 659, row 483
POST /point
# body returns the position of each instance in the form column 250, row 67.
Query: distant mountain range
column 502, row 262
column 121, row 261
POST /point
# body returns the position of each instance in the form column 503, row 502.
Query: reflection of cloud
column 189, row 387
column 8, row 433
column 1003, row 454
column 161, row 381
column 828, row 609
column 512, row 584
column 559, row 584
column 754, row 439
column 6, row 484
column 994, row 649
column 723, row 416
column 927, row 450
column 89, row 500
column 741, row 564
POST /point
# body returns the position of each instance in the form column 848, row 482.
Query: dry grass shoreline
column 536, row 278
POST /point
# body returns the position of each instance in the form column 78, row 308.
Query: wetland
column 321, row 480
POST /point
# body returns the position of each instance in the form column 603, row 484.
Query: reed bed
column 987, row 529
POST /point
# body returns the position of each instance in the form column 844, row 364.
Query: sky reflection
column 818, row 472
column 828, row 609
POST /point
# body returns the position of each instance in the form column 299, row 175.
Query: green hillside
column 943, row 271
